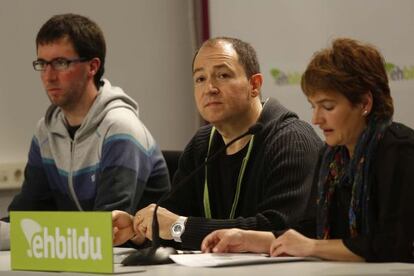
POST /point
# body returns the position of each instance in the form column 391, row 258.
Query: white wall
column 286, row 33
column 149, row 55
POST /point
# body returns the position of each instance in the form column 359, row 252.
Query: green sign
column 61, row 241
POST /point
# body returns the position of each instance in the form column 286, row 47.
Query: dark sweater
column 392, row 204
column 276, row 183
column 392, row 200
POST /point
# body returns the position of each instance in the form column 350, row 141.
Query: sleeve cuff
column 4, row 235
column 359, row 246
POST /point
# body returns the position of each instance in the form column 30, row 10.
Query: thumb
column 115, row 230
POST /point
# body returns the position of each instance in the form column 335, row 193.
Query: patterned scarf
column 337, row 169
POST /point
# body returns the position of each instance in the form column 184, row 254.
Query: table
column 317, row 268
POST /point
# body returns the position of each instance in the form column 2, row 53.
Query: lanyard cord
column 206, row 198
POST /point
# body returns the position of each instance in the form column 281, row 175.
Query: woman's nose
column 316, row 117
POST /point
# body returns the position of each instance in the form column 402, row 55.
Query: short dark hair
column 85, row 35
column 246, row 53
column 353, row 69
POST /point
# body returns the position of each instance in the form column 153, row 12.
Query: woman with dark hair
column 364, row 179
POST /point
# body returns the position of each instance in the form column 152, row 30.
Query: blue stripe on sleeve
column 128, row 154
column 58, row 179
column 84, row 180
column 85, row 184
column 127, row 137
column 35, row 159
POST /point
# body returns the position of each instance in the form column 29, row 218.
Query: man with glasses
column 90, row 151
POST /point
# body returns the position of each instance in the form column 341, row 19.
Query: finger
column 116, row 240
column 276, row 250
column 141, row 228
column 273, row 246
column 221, row 245
column 138, row 221
column 279, row 252
column 206, row 249
column 148, row 233
column 207, row 239
column 115, row 215
column 209, row 248
column 115, row 230
column 121, row 219
column 208, row 243
column 138, row 239
column 217, row 244
column 205, row 246
column 121, row 238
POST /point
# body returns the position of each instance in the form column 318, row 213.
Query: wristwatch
column 177, row 228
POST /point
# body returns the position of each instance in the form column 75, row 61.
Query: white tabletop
column 317, row 268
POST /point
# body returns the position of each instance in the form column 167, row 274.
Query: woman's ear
column 256, row 82
column 367, row 103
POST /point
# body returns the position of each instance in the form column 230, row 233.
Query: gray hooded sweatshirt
column 112, row 162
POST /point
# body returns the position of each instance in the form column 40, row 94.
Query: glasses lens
column 60, row 64
column 39, row 65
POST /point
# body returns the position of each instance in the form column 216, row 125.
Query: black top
column 339, row 220
column 276, row 183
column 392, row 203
column 72, row 130
column 224, row 183
column 392, row 199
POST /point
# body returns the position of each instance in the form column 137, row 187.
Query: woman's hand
column 292, row 243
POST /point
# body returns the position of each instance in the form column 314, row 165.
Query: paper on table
column 228, row 259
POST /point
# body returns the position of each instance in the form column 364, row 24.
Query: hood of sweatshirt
column 109, row 97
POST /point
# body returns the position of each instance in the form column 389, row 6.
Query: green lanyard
column 207, row 210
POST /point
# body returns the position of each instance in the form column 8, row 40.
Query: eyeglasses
column 58, row 64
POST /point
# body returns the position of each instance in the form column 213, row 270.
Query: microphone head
column 256, row 128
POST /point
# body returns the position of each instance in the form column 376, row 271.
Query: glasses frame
column 53, row 63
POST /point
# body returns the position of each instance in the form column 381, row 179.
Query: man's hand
column 123, row 231
column 225, row 240
column 143, row 222
column 237, row 240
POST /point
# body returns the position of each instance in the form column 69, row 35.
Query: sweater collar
column 273, row 111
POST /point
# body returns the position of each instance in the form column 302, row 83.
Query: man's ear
column 94, row 65
column 256, row 82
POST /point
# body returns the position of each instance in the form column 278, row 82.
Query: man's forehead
column 226, row 46
column 63, row 40
column 221, row 53
column 220, row 47
column 56, row 49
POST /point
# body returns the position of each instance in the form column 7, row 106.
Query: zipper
column 70, row 177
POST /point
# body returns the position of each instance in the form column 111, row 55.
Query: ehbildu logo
column 397, row 73
column 60, row 244
column 394, row 72
column 283, row 78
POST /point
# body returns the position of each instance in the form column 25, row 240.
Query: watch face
column 177, row 228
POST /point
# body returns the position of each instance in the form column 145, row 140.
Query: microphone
column 156, row 254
